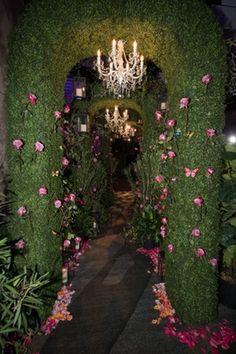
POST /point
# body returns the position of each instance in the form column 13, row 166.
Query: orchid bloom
column 18, row 144
column 206, row 79
column 184, row 102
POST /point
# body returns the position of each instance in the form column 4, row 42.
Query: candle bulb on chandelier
column 141, row 62
column 113, row 49
column 135, row 48
column 98, row 57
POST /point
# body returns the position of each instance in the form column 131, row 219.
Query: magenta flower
column 66, row 108
column 57, row 114
column 196, row 232
column 170, row 123
column 184, row 102
column 171, row 154
column 66, row 198
column 165, row 190
column 200, row 252
column 20, row 244
column 162, row 137
column 206, row 79
column 209, row 172
column 22, row 211
column 210, row 133
column 170, row 248
column 158, row 115
column 163, row 156
column 57, row 203
column 72, row 197
column 32, row 98
column 18, row 144
column 65, row 161
column 163, row 233
column 199, row 201
column 213, row 262
column 159, row 178
column 164, row 220
column 66, row 243
column 78, row 239
column 38, row 146
column 43, row 190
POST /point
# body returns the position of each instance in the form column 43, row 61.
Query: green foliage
column 185, row 47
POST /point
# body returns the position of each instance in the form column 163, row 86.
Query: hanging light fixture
column 123, row 73
column 115, row 120
column 126, row 131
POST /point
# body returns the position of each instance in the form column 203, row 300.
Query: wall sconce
column 83, row 123
column 80, row 88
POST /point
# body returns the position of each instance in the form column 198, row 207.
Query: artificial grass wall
column 181, row 38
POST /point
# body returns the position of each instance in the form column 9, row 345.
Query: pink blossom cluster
column 69, row 197
column 152, row 254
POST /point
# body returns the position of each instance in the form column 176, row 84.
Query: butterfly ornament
column 191, row 173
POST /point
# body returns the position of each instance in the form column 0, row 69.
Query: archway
column 185, row 47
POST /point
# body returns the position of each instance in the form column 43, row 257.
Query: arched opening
column 174, row 39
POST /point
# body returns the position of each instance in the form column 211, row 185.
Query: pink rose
column 65, row 161
column 198, row 201
column 163, row 233
column 164, row 220
column 170, row 248
column 66, row 108
column 72, row 197
column 200, row 252
column 158, row 115
column 141, row 206
column 206, row 79
column 22, row 211
column 210, row 171
column 171, row 154
column 163, row 156
column 196, row 232
column 211, row 132
column 57, row 203
column 184, row 102
column 159, row 179
column 170, row 123
column 66, row 243
column 213, row 262
column 20, row 244
column 38, row 146
column 165, row 190
column 66, row 198
column 78, row 239
column 32, row 98
column 43, row 190
column 18, row 144
column 57, row 114
column 162, row 137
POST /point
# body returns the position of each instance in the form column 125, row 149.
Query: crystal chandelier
column 123, row 73
column 126, row 131
column 115, row 121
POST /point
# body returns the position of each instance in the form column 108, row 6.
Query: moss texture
column 183, row 39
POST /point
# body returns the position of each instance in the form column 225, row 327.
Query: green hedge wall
column 183, row 39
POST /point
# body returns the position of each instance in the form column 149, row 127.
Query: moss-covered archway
column 183, row 39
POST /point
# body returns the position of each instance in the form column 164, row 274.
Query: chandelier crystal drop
column 123, row 73
column 115, row 120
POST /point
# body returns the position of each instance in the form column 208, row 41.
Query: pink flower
column 66, row 108
column 170, row 123
column 43, row 190
column 65, row 161
column 20, row 244
column 184, row 102
column 18, row 144
column 78, row 239
column 163, row 156
column 57, row 114
column 200, row 252
column 22, row 211
column 38, row 146
column 32, row 98
column 163, row 233
column 206, row 79
column 164, row 221
column 57, row 203
column 209, row 172
column 162, row 137
column 210, row 133
column 159, row 179
column 66, row 198
column 171, row 154
column 158, row 115
column 213, row 262
column 66, row 243
column 170, row 248
column 174, row 179
column 198, row 201
column 72, row 197
column 196, row 232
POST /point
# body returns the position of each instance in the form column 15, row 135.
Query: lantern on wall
column 83, row 122
column 80, row 88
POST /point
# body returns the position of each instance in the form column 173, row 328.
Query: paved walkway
column 112, row 307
